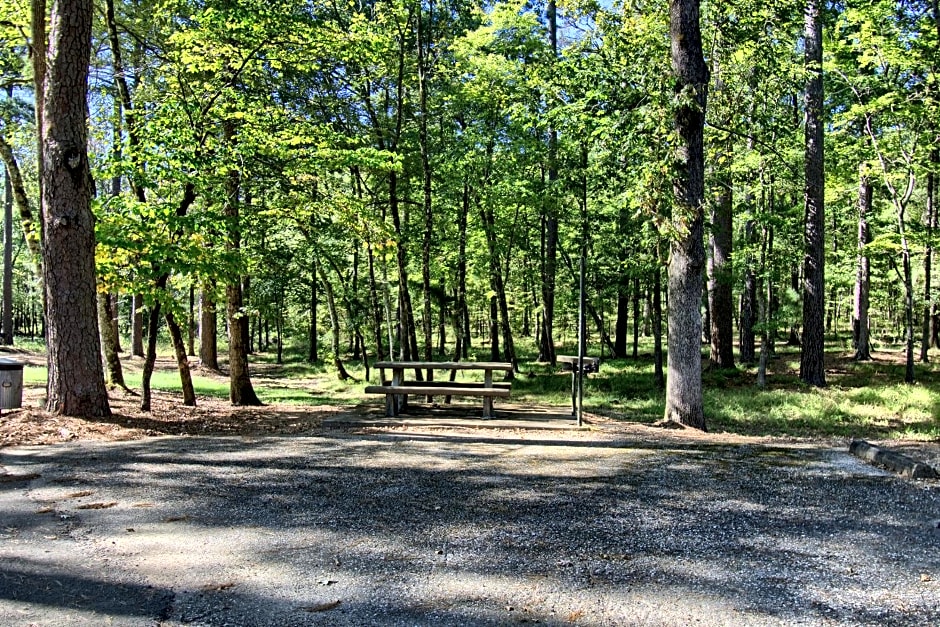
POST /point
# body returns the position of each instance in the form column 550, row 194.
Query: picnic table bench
column 398, row 389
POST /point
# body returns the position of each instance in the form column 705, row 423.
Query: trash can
column 11, row 383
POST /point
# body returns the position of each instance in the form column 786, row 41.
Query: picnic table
column 397, row 390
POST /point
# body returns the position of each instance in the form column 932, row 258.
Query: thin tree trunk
column 720, row 301
column 182, row 363
column 191, row 323
column 463, row 312
column 812, row 358
column 7, row 260
column 931, row 219
column 622, row 323
column 341, row 373
column 137, row 325
column 313, row 356
column 860, row 322
column 658, row 376
column 636, row 317
column 547, row 340
column 112, row 363
column 687, row 253
column 21, row 201
column 153, row 323
column 241, row 391
column 208, row 331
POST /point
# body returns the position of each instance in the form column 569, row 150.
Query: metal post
column 581, row 343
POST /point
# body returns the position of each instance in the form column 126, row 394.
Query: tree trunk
column 7, row 260
column 658, row 377
column 208, row 331
column 137, row 325
column 153, row 325
column 622, row 324
column 241, row 391
column 930, row 218
column 720, row 299
column 191, row 323
column 860, row 324
column 687, row 253
column 182, row 363
column 341, row 373
column 812, row 358
column 21, row 201
column 550, row 260
column 463, row 311
column 636, row 317
column 749, row 299
column 76, row 384
column 112, row 363
column 313, row 356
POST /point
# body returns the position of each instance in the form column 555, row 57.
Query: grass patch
column 866, row 400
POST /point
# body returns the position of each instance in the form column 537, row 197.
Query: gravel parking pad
column 462, row 528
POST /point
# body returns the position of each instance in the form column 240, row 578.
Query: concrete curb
column 895, row 462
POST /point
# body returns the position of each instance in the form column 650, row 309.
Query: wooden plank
column 444, row 365
column 437, row 391
column 458, row 384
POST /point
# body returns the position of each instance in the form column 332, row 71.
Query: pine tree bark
column 812, row 357
column 687, row 253
column 76, row 384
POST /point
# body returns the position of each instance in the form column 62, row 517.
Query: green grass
column 867, row 400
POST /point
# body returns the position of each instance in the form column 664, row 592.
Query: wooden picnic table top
column 445, row 365
column 573, row 359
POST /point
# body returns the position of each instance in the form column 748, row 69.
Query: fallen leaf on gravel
column 12, row 478
column 925, row 577
column 327, row 582
column 176, row 518
column 217, row 587
column 142, row 505
column 45, row 510
column 322, row 607
column 574, row 616
column 97, row 505
column 80, row 494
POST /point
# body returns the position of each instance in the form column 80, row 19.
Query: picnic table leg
column 391, row 406
column 574, row 406
column 400, row 400
column 488, row 407
column 488, row 400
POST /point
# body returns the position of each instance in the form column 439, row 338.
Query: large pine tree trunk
column 687, row 253
column 812, row 358
column 720, row 299
column 76, row 384
column 863, row 270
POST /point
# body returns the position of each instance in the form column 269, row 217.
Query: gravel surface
column 601, row 527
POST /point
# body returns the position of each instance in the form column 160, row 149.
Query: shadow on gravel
column 432, row 529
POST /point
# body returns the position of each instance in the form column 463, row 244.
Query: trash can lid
column 10, row 364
